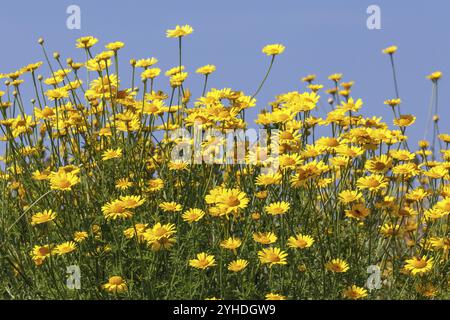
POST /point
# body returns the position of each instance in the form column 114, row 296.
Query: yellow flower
column 170, row 206
column 115, row 46
column 131, row 202
column 40, row 253
column 123, row 184
column 115, row 284
column 86, row 42
column 268, row 179
column 145, row 63
column 392, row 102
column 419, row 265
column 203, row 261
column 272, row 256
column 65, row 248
column 150, row 73
column 373, row 183
column 337, row 265
column 435, row 76
column 206, row 70
column 111, row 154
column 63, row 181
column 353, row 292
column 390, row 50
column 80, row 236
column 348, row 196
column 358, row 211
column 179, row 31
column 116, row 209
column 232, row 200
column 43, row 217
column 405, row 120
column 300, row 241
column 277, row 208
column 193, row 215
column 273, row 49
column 56, row 94
column 237, row 265
column 159, row 231
column 231, row 243
column 275, row 296
column 265, row 237
column 335, row 77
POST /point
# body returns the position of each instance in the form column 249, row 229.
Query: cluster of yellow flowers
column 90, row 176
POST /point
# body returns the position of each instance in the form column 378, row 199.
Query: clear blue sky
column 321, row 37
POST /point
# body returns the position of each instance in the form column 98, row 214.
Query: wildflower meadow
column 148, row 191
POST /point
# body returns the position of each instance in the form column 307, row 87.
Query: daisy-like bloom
column 43, row 217
column 231, row 243
column 86, row 42
column 80, row 236
column 353, row 292
column 132, row 202
column 309, row 78
column 358, row 211
column 178, row 165
column 165, row 243
column 273, row 49
column 116, row 210
column 150, row 73
column 417, row 194
column 379, row 164
column 63, row 181
column 193, row 215
column 137, row 230
column 328, row 143
column 444, row 205
column 115, row 284
column 373, row 183
column 390, row 50
column 170, row 206
column 337, row 265
column 348, row 196
column 335, row 77
column 178, row 78
column 154, row 185
column 300, row 241
column 40, row 253
column 179, row 31
column 272, row 256
column 435, row 76
column 268, row 179
column 405, row 120
column 159, row 231
column 277, row 208
column 65, row 248
column 206, row 70
column 390, row 230
column 115, row 46
column 265, row 237
column 289, row 161
column 275, row 296
column 351, row 105
column 419, row 265
column 392, row 102
column 237, row 265
column 232, row 200
column 145, row 63
column 203, row 261
column 112, row 154
column 123, row 184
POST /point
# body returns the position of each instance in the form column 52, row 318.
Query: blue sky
column 321, row 37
